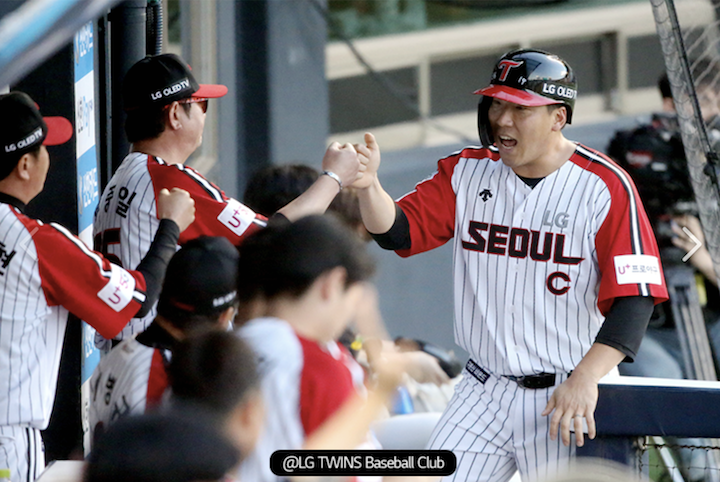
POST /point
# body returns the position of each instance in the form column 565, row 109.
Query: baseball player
column 556, row 270
column 46, row 272
column 165, row 118
column 199, row 293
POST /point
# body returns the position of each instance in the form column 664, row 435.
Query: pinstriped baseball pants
column 22, row 451
column 495, row 428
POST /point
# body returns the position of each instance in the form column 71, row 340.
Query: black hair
column 273, row 187
column 147, row 122
column 161, row 448
column 214, row 371
column 286, row 259
column 191, row 323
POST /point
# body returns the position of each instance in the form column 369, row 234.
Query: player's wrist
column 334, row 177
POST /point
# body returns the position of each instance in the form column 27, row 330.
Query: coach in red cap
column 46, row 272
column 166, row 109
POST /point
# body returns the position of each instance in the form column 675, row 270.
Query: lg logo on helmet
column 559, row 90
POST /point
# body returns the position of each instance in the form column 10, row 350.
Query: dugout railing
column 636, row 417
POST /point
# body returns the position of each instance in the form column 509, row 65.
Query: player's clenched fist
column 343, row 161
column 369, row 155
column 177, row 205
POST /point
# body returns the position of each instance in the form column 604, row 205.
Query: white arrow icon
column 694, row 240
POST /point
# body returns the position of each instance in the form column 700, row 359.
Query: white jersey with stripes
column 535, row 269
column 130, row 380
column 45, row 272
column 126, row 218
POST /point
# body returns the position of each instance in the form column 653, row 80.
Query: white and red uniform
column 126, row 218
column 303, row 383
column 535, row 271
column 129, row 380
column 45, row 272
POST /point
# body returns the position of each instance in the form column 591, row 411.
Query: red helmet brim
column 516, row 96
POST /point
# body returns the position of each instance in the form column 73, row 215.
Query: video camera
column 653, row 155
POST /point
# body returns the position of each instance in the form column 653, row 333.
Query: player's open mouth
column 507, row 142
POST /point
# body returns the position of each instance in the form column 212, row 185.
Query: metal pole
column 127, row 46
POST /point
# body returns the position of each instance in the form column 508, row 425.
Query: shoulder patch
column 637, row 268
column 118, row 292
column 236, row 216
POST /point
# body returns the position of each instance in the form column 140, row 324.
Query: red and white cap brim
column 210, row 91
column 516, row 96
column 60, row 130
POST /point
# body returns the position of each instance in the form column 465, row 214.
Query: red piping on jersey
column 624, row 203
column 157, row 381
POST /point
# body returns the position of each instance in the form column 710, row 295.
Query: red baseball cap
column 23, row 129
column 163, row 79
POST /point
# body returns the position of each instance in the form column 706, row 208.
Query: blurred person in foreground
column 214, row 374
column 312, row 277
column 273, row 187
column 162, row 448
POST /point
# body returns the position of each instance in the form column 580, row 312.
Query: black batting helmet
column 527, row 77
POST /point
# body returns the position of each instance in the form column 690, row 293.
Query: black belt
column 532, row 382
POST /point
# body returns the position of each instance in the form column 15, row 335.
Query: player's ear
column 227, row 317
column 24, row 165
column 332, row 282
column 559, row 117
column 172, row 118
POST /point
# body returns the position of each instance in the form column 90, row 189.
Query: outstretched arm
column 376, row 206
column 343, row 162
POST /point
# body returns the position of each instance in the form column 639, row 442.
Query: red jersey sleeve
column 103, row 294
column 430, row 209
column 215, row 213
column 157, row 381
column 325, row 384
column 627, row 252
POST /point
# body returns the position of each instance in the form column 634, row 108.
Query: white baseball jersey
column 535, row 271
column 126, row 218
column 303, row 383
column 129, row 380
column 535, row 268
column 45, row 272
